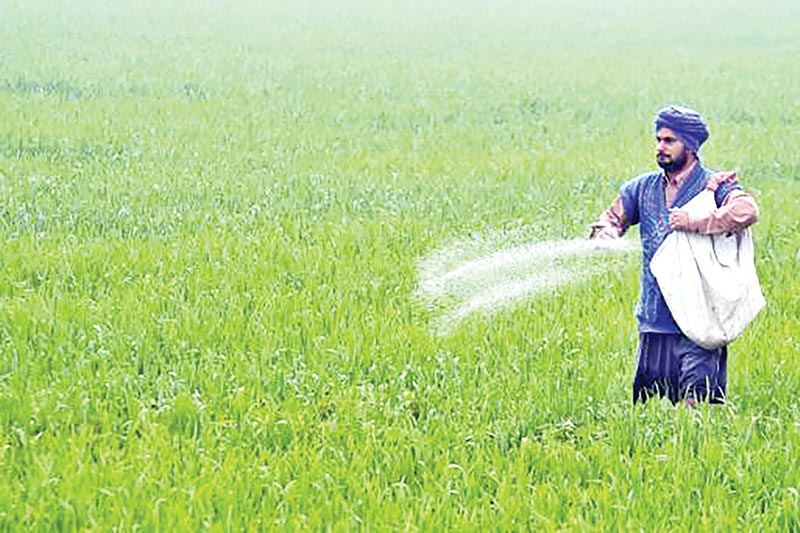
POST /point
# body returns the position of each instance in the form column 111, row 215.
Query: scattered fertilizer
column 473, row 276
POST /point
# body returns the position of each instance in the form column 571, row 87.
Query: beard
column 672, row 165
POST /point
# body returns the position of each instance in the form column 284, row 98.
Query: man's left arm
column 738, row 210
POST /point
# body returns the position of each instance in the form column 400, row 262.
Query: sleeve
column 611, row 223
column 623, row 212
column 737, row 211
column 629, row 194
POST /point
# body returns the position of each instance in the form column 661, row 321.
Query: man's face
column 671, row 153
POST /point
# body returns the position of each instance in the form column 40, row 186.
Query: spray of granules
column 473, row 275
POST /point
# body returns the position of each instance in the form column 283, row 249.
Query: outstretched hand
column 604, row 233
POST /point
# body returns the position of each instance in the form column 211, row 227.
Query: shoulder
column 641, row 181
column 705, row 172
column 724, row 188
column 639, row 191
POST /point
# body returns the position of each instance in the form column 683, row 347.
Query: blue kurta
column 644, row 202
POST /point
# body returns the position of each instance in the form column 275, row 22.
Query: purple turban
column 687, row 124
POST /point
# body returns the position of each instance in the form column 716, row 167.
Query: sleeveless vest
column 643, row 199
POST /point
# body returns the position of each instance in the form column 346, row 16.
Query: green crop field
column 211, row 220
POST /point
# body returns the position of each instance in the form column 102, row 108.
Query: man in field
column 669, row 363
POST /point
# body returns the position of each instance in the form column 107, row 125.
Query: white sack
column 709, row 281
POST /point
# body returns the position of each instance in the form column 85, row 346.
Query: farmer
column 669, row 363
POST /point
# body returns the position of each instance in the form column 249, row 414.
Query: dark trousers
column 674, row 366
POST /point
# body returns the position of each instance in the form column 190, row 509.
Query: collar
column 677, row 180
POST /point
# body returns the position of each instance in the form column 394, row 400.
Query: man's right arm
column 612, row 223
